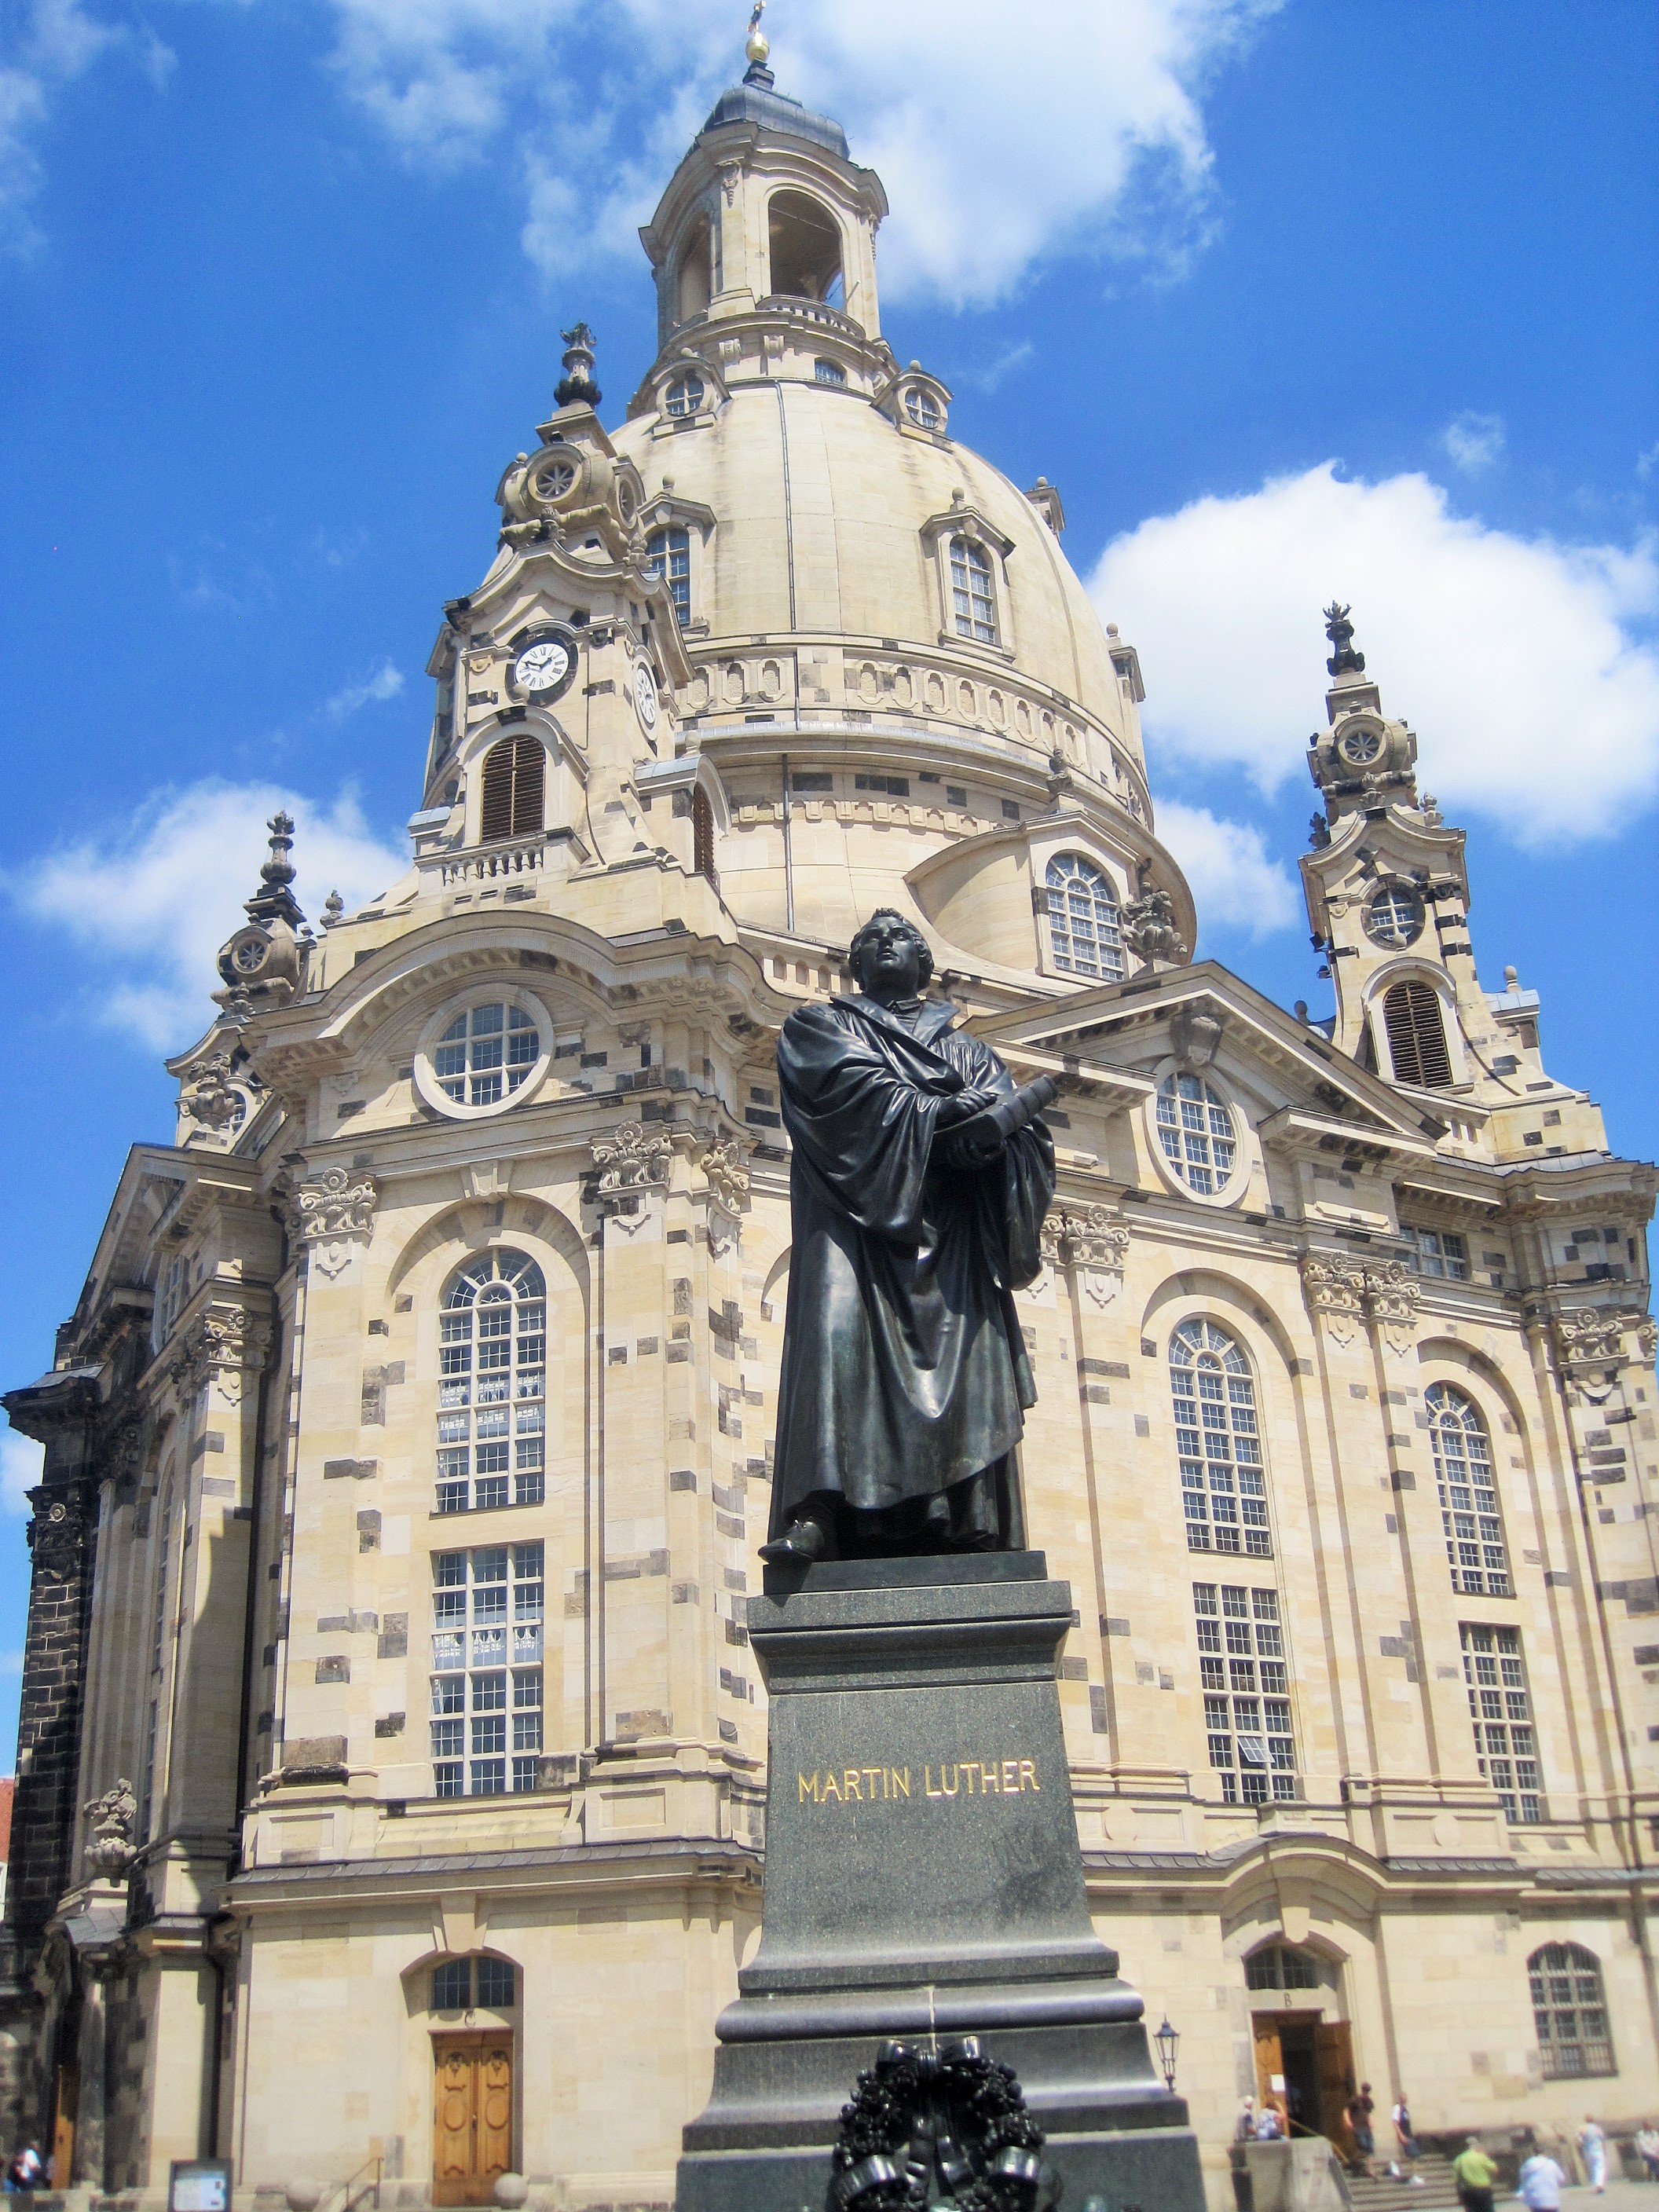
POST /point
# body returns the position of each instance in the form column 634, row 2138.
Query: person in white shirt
column 1647, row 2149
column 1541, row 2183
column 1592, row 2149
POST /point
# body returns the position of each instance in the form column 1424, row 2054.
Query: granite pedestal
column 923, row 1879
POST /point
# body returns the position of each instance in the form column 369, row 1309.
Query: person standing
column 1647, row 2149
column 1474, row 2174
column 1541, row 2183
column 1358, row 2111
column 1245, row 2126
column 1405, row 2146
column 1592, row 2149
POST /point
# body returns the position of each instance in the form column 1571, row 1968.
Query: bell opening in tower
column 804, row 241
column 696, row 279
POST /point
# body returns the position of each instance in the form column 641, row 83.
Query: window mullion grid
column 489, row 1610
column 1247, row 1711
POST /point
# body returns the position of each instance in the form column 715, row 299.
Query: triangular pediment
column 1305, row 1090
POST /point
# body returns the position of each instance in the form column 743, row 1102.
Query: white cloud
column 1524, row 664
column 20, row 1462
column 50, row 43
column 1235, row 883
column 1001, row 366
column 176, row 878
column 383, row 682
column 1472, row 442
column 1646, row 463
column 1001, row 140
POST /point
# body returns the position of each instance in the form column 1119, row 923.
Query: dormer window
column 922, row 408
column 1395, row 916
column 683, row 398
column 668, row 555
column 828, row 371
column 973, row 592
column 1084, row 925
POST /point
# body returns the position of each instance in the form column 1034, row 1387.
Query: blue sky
column 1360, row 297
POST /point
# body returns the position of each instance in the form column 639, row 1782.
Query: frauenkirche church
column 392, row 1757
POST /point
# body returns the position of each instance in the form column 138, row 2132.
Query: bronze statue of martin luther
column 920, row 1180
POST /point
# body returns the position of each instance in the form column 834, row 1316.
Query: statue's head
column 889, row 957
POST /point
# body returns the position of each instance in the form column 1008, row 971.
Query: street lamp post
column 1168, row 2040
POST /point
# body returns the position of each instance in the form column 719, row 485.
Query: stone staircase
column 1438, row 2193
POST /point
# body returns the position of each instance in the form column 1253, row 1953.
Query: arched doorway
column 1304, row 2053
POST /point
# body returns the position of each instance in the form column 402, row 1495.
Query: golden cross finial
column 759, row 46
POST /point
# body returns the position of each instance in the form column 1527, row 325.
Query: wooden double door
column 472, row 2116
column 1304, row 2065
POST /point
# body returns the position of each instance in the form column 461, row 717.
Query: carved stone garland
column 951, row 2115
column 727, row 1178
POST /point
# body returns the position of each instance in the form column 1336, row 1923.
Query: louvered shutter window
column 514, row 775
column 702, row 835
column 1417, row 1037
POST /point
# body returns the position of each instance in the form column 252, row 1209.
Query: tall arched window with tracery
column 1469, row 1510
column 492, row 1385
column 515, row 783
column 1224, row 1492
column 973, row 594
column 1084, row 929
column 1569, row 2011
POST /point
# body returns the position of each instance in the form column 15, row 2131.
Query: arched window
column 1569, row 2011
column 685, row 396
column 1083, row 920
column 1468, row 1494
column 1195, row 1128
column 461, row 1985
column 492, row 1369
column 1224, row 1493
column 703, row 836
column 1417, row 1036
column 804, row 242
column 514, row 777
column 695, row 271
column 973, row 594
column 922, row 408
column 668, row 555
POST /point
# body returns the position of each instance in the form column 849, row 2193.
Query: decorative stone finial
column 758, row 47
column 333, row 907
column 274, row 901
column 1345, row 661
column 577, row 383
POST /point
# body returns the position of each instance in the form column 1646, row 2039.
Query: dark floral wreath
column 949, row 2113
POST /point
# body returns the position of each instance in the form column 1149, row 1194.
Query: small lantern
column 1168, row 2040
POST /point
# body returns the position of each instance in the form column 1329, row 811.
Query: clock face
column 645, row 694
column 541, row 667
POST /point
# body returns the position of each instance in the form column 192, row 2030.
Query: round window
column 922, row 408
column 555, row 478
column 1196, row 1134
column 685, row 396
column 1360, row 747
column 1395, row 916
column 485, row 1056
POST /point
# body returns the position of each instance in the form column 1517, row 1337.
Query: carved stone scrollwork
column 213, row 1102
column 1334, row 1287
column 335, row 1211
column 727, row 1178
column 1593, row 1336
column 1093, row 1243
column 110, row 1848
column 634, row 1160
column 727, row 1175
column 1391, row 1295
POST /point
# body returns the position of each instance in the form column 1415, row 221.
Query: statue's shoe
column 800, row 1544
